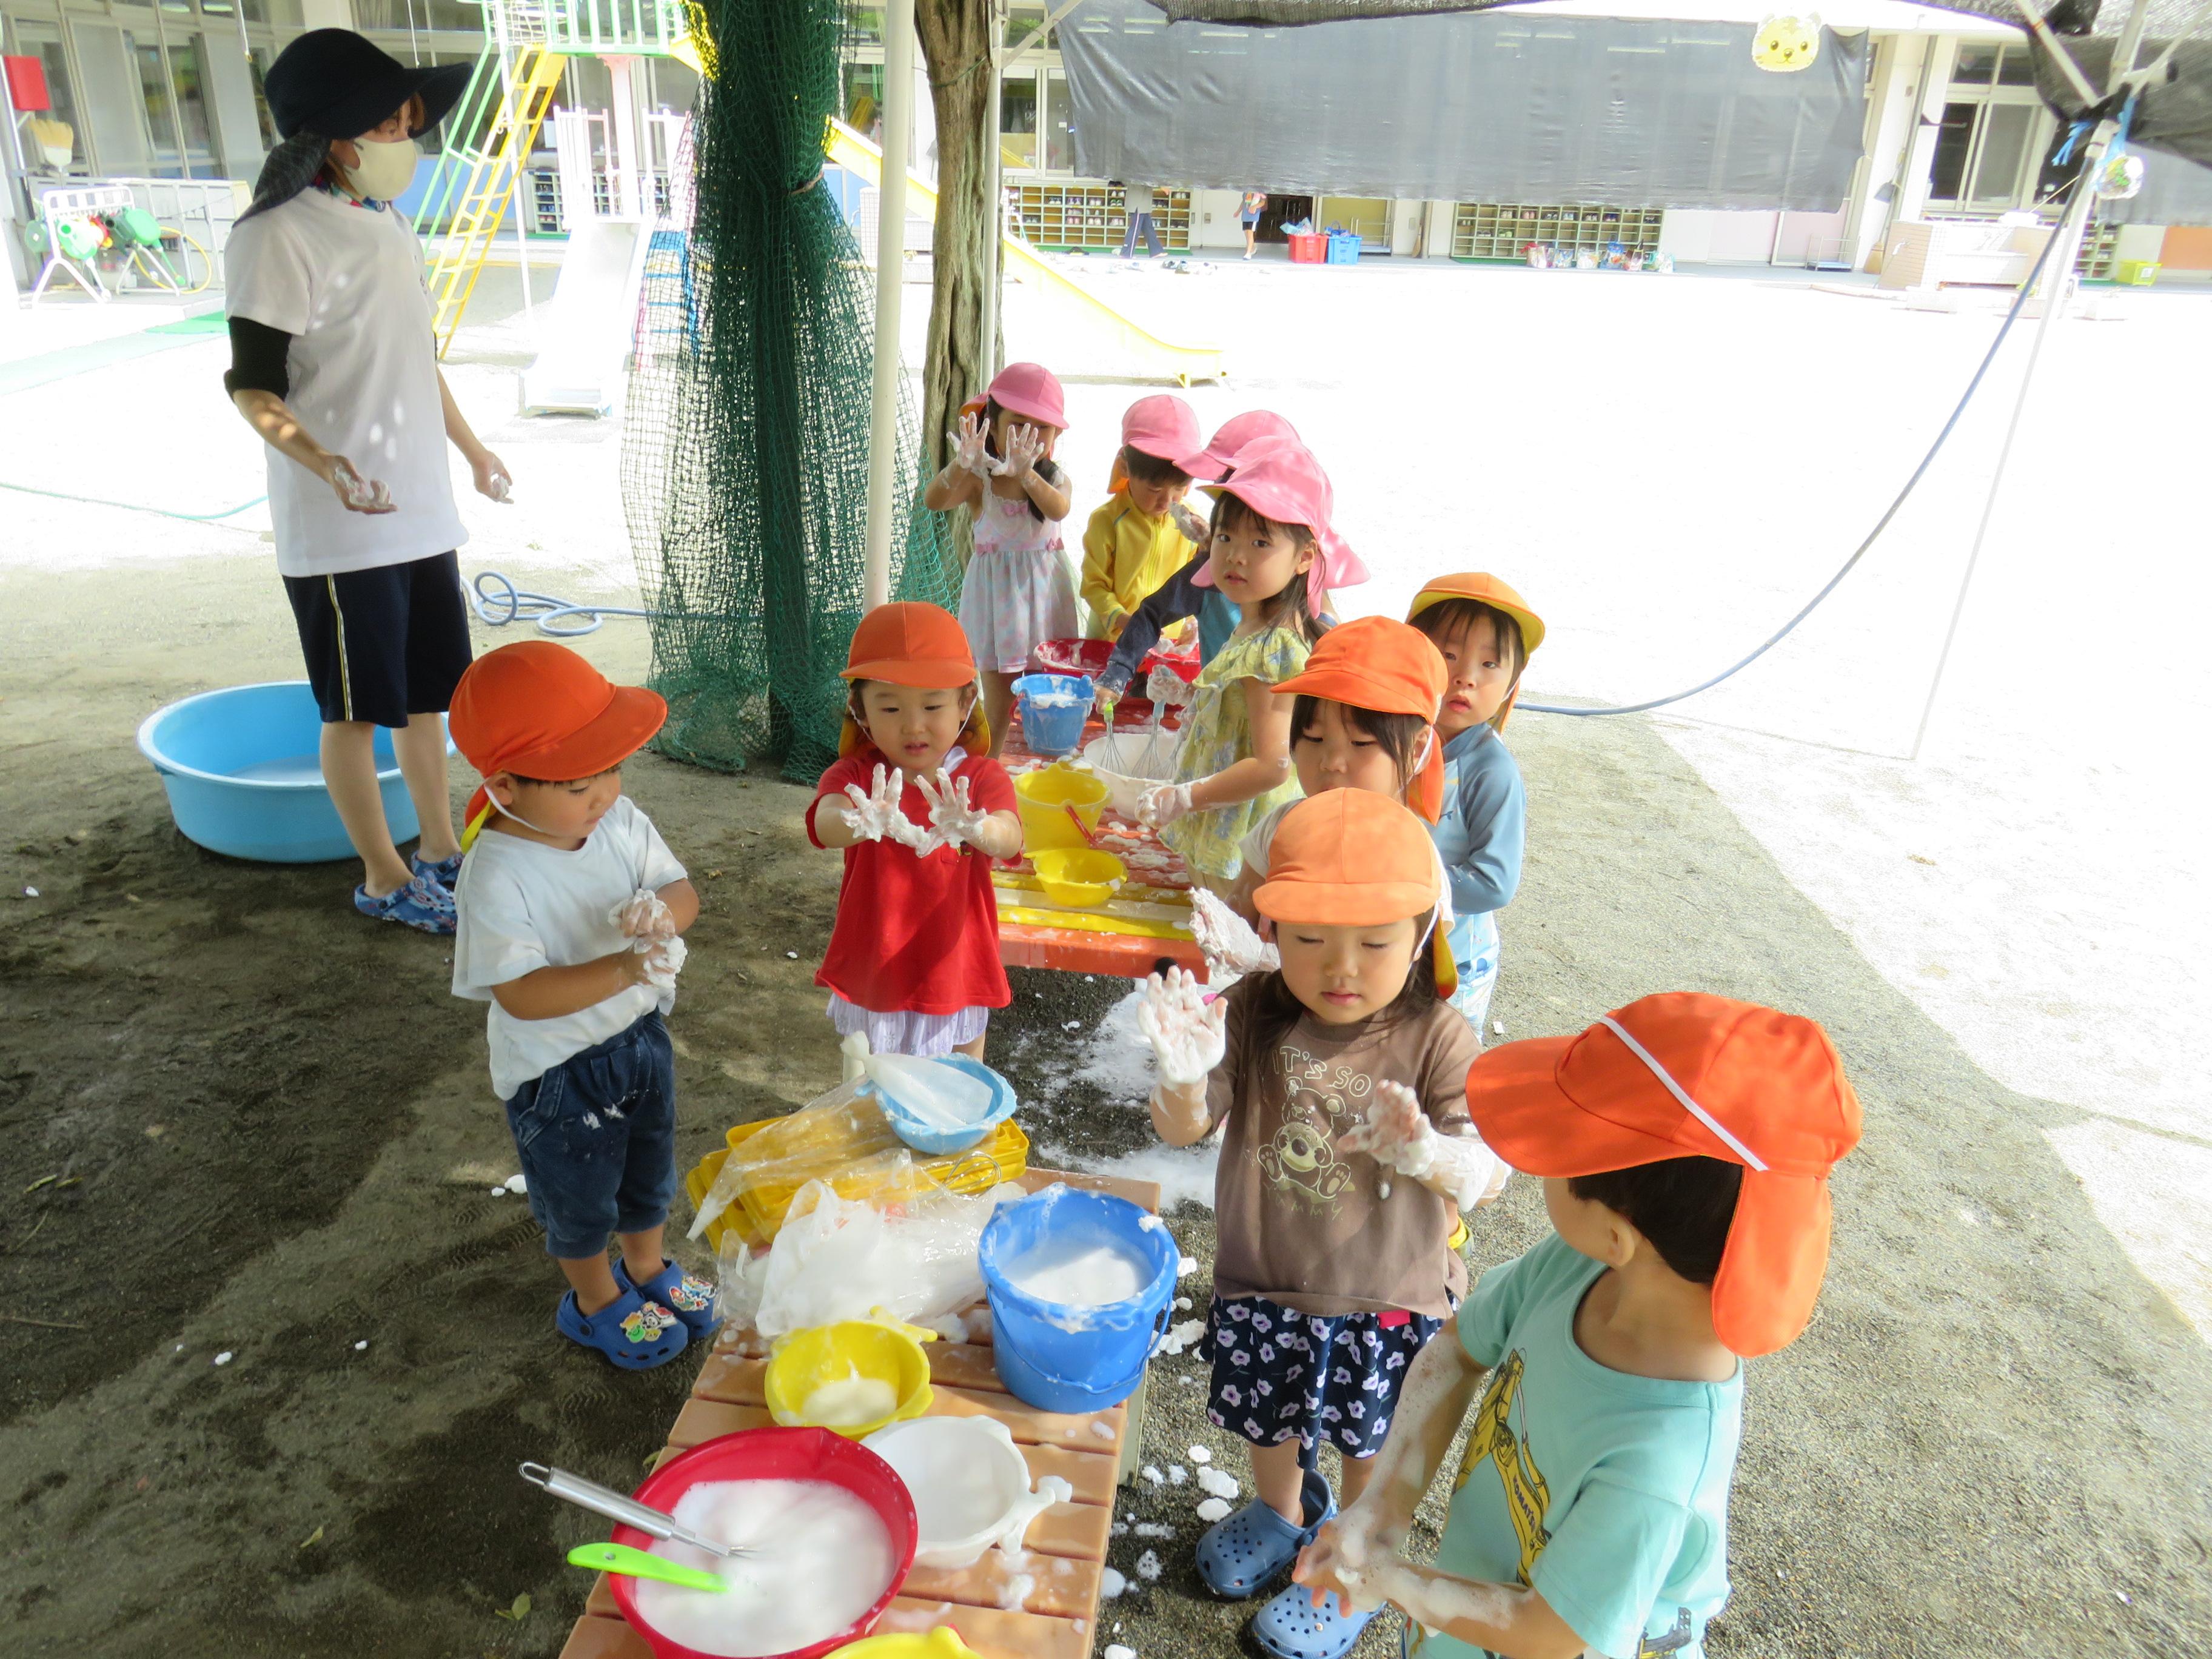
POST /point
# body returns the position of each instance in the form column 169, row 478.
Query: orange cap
column 538, row 710
column 1481, row 585
column 1684, row 1074
column 911, row 644
column 1351, row 859
column 1373, row 662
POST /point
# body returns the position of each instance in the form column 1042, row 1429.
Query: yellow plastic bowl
column 943, row 1642
column 1078, row 877
column 805, row 1360
column 1044, row 796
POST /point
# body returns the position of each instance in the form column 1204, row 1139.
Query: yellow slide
column 1149, row 356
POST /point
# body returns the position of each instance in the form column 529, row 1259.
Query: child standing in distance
column 572, row 911
column 1274, row 555
column 1180, row 597
column 921, row 811
column 1685, row 1144
column 1332, row 1269
column 1142, row 535
column 1017, row 593
column 1486, row 632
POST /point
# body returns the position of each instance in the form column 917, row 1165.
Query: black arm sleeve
column 1173, row 601
column 260, row 359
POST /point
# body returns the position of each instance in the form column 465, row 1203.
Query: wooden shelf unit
column 1059, row 214
column 1503, row 230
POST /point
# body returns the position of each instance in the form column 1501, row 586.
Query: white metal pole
column 993, row 176
column 891, row 267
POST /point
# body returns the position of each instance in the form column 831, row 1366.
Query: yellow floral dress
column 1218, row 734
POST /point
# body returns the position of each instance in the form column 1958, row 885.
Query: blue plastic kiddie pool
column 244, row 778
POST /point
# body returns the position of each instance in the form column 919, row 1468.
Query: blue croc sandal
column 1242, row 1554
column 1291, row 1628
column 444, row 872
column 421, row 904
column 690, row 1297
column 635, row 1333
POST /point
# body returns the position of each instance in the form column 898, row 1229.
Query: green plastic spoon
column 637, row 1563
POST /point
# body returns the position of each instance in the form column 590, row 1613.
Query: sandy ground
column 1992, row 1443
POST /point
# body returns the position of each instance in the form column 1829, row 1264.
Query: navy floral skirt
column 1279, row 1375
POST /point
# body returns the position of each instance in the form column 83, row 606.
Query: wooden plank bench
column 1057, row 1617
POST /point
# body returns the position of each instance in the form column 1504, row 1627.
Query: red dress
column 915, row 935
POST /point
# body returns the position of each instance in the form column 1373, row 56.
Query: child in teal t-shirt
column 1685, row 1142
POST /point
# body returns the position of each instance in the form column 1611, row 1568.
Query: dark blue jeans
column 1140, row 221
column 597, row 1135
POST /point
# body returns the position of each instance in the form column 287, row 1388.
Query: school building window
column 1993, row 131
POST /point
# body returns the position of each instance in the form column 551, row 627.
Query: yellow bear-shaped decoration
column 1787, row 44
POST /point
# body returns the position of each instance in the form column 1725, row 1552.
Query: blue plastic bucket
column 244, row 775
column 1055, row 727
column 1061, row 1359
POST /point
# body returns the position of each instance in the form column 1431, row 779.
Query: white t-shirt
column 346, row 282
column 526, row 906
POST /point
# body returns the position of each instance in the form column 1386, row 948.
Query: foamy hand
column 1162, row 804
column 1398, row 1132
column 967, row 453
column 1344, row 1556
column 1187, row 1034
column 1025, row 447
column 1193, row 527
column 1227, row 939
column 357, row 494
column 644, row 916
column 952, row 819
column 1168, row 689
column 881, row 815
column 663, row 961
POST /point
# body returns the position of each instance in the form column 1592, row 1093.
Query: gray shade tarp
column 1472, row 107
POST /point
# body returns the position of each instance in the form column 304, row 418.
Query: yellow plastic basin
column 1044, row 796
column 885, row 1352
column 1079, row 876
column 943, row 1642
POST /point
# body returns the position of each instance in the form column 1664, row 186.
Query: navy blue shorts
column 597, row 1135
column 383, row 644
column 1279, row 1375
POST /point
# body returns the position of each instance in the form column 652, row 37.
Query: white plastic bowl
column 963, row 1472
column 1129, row 763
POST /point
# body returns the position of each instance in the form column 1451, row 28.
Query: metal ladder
column 492, row 173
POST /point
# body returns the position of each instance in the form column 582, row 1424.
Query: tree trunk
column 955, row 45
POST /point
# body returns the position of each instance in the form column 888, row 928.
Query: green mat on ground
column 208, row 322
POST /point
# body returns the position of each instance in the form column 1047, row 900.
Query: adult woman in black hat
column 334, row 363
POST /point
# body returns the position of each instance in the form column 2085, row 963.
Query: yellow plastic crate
column 2137, row 273
column 758, row 1211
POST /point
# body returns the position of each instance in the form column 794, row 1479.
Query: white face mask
column 384, row 171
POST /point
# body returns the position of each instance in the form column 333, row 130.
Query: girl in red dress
column 921, row 810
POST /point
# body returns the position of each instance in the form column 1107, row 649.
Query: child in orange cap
column 919, row 810
column 1486, row 632
column 1018, row 592
column 572, row 911
column 1334, row 1269
column 1685, row 1144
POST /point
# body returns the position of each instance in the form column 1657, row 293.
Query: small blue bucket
column 924, row 1136
column 244, row 775
column 1042, row 1362
column 1053, row 727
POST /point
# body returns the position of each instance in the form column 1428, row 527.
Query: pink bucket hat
column 1164, row 426
column 1031, row 390
column 1279, row 478
column 1240, row 429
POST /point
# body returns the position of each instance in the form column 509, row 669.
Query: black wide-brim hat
column 336, row 84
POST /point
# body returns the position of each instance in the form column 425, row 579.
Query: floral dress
column 1016, row 592
column 1218, row 734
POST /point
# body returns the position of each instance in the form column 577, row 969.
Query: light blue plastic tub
column 1053, row 727
column 244, row 776
column 927, row 1137
column 1060, row 1358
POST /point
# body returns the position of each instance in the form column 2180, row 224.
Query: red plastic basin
column 774, row 1454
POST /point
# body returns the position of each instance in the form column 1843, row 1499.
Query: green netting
column 745, row 443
